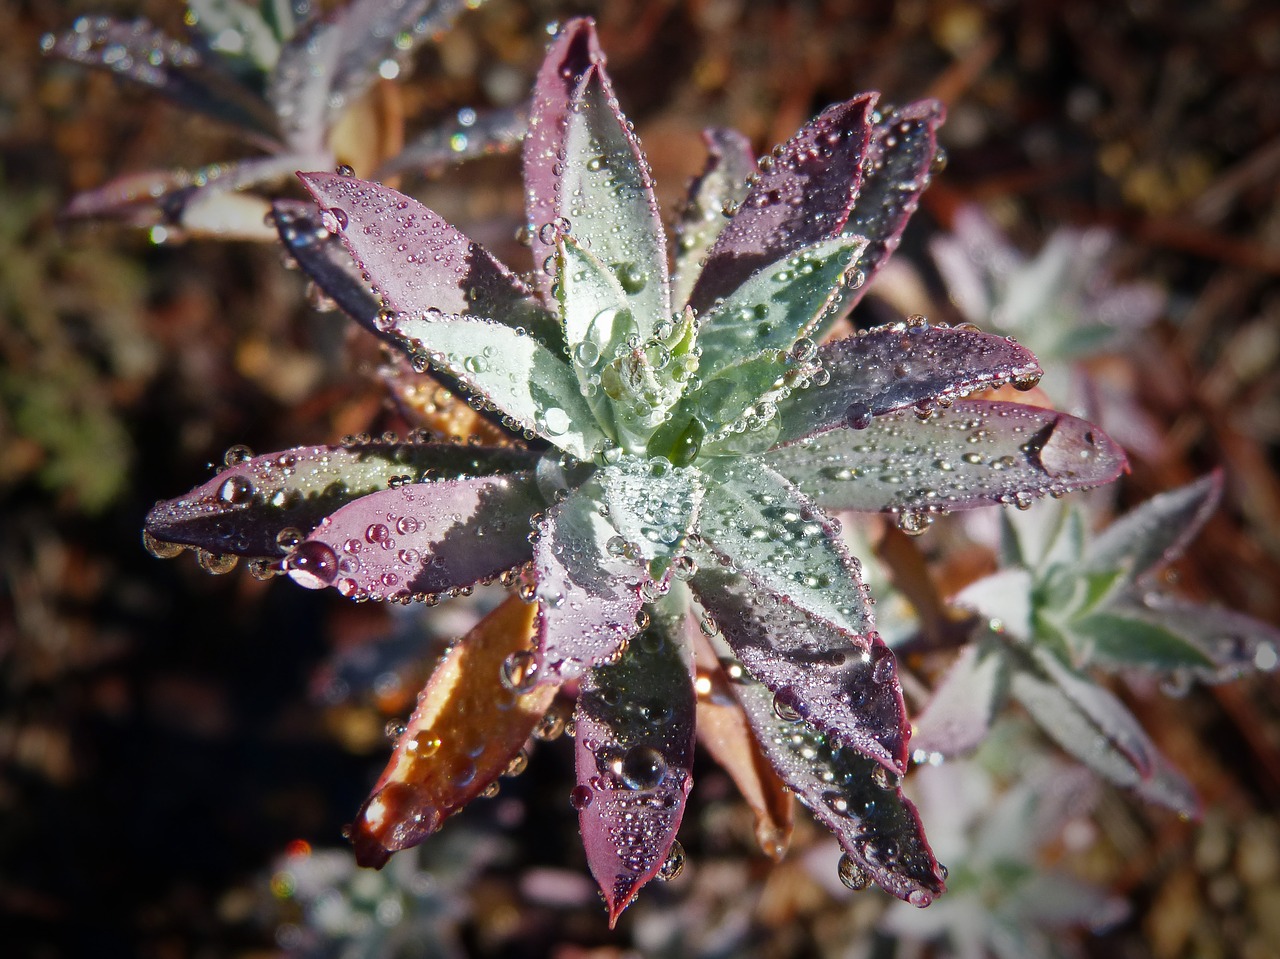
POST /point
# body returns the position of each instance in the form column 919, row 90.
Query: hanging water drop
column 852, row 875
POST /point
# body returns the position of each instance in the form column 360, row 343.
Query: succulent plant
column 1063, row 602
column 676, row 442
column 286, row 79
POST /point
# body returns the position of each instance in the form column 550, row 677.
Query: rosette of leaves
column 289, row 81
column 677, row 440
column 1063, row 603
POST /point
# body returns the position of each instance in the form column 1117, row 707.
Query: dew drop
column 237, row 454
column 643, row 767
column 919, row 898
column 236, row 491
column 159, row 548
column 673, row 865
column 857, row 416
column 519, row 672
column 785, row 705
column 580, row 798
column 334, row 219
column 852, row 875
column 312, row 565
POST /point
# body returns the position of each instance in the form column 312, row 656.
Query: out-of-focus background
column 179, row 751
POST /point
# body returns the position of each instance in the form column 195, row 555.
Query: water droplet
column 786, row 705
column 519, row 672
column 236, row 491
column 394, row 729
column 334, row 219
column 852, row 875
column 580, row 798
column 288, row 538
column 237, row 454
column 857, row 416
column 643, row 767
column 159, row 548
column 556, row 421
column 673, row 865
column 919, row 898
column 313, row 565
column 914, row 522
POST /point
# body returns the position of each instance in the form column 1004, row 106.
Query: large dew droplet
column 643, row 767
column 313, row 565
column 852, row 875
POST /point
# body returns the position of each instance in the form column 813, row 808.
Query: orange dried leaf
column 465, row 732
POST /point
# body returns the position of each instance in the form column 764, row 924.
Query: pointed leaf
column 896, row 171
column 724, row 731
column 417, row 262
column 760, row 524
column 878, row 828
column 1112, row 637
column 258, row 46
column 464, row 733
column 137, row 51
column 244, row 509
column 972, row 454
column 634, row 754
column 298, row 87
column 651, row 504
column 605, row 192
column 801, row 195
column 530, row 384
column 1004, row 597
column 324, row 259
column 844, row 683
column 892, row 367
column 482, row 133
column 571, row 53
column 964, row 703
column 1211, row 643
column 375, row 32
column 1094, row 726
column 777, row 305
column 422, row 538
column 737, row 406
column 715, row 195
column 588, row 588
column 1157, row 531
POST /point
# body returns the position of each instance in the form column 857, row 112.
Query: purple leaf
column 298, row 87
column 801, row 195
column 857, row 798
column 605, row 195
column 574, row 50
column 844, row 683
column 415, row 260
column 245, row 508
column 324, row 259
column 588, row 587
column 1157, row 531
column 422, row 538
column 137, row 51
column 963, row 705
column 975, row 453
column 895, row 172
column 634, row 756
column 1094, row 726
column 892, row 367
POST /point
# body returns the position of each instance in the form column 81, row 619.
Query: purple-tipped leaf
column 757, row 522
column 634, row 756
column 245, row 508
column 801, row 195
column 1156, row 532
column 1094, row 726
column 480, row 134
column 605, row 194
column 973, row 454
column 588, row 587
column 901, row 365
column 844, row 683
column 415, row 260
column 422, row 538
column 571, row 53
column 324, row 259
column 878, row 828
column 719, row 191
column 299, row 86
column 963, row 705
column 896, row 171
column 137, row 51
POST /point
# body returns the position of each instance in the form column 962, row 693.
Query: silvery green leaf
column 765, row 527
column 650, row 503
column 244, row 509
column 877, row 827
column 1157, row 531
column 737, row 406
column 1094, row 726
column 256, row 42
column 605, row 193
column 891, row 367
column 800, row 194
column 587, row 586
column 473, row 134
column 963, row 705
column 972, row 454
column 714, row 196
column 1004, row 597
column 1111, row 637
column 843, row 683
column 298, row 87
column 776, row 305
column 420, row 538
column 1165, row 632
column 418, row 262
column 137, row 51
column 574, row 49
column 634, row 756
column 532, row 386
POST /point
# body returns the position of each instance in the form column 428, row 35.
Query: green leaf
column 650, row 503
column 606, row 195
column 528, row 383
column 1130, row 641
column 777, row 305
column 773, row 534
